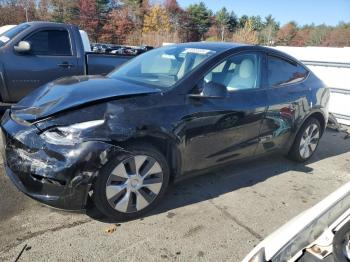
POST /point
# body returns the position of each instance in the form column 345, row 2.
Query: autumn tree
column 88, row 19
column 268, row 33
column 222, row 20
column 7, row 19
column 243, row 21
column 174, row 12
column 118, row 26
column 102, row 11
column 11, row 13
column 176, row 17
column 344, row 25
column 17, row 11
column 65, row 11
column 157, row 20
column 246, row 34
column 102, row 7
column 157, row 23
column 213, row 34
column 199, row 19
column 287, row 33
column 43, row 12
column 233, row 22
column 317, row 34
column 138, row 8
column 256, row 22
column 186, row 32
column 301, row 37
column 136, row 22
column 29, row 7
column 339, row 37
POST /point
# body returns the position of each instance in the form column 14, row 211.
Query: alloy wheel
column 309, row 141
column 134, row 184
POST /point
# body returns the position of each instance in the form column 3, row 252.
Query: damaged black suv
column 183, row 109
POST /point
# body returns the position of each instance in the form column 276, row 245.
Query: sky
column 303, row 12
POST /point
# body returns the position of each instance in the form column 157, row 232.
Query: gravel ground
column 215, row 217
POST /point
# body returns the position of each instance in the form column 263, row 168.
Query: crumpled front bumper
column 51, row 195
column 57, row 175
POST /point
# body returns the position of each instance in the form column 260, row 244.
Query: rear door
column 52, row 56
column 220, row 130
column 287, row 101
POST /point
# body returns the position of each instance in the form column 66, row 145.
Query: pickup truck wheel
column 129, row 188
column 306, row 141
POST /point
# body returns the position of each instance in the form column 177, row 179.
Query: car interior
column 238, row 73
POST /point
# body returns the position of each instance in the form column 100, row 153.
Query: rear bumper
column 56, row 175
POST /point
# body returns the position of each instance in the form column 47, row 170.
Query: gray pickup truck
column 35, row 53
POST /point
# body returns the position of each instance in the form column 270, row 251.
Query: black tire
column 99, row 191
column 294, row 153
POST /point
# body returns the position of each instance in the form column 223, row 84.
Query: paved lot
column 215, row 217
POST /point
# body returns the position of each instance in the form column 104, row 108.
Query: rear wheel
column 129, row 188
column 306, row 141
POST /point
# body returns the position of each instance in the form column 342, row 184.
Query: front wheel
column 129, row 188
column 306, row 141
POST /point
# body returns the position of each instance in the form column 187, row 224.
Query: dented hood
column 69, row 93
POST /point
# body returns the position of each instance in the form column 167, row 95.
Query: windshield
column 8, row 35
column 162, row 67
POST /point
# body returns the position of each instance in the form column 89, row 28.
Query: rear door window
column 50, row 42
column 282, row 72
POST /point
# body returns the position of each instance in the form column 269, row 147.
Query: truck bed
column 99, row 64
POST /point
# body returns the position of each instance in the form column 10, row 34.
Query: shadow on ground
column 233, row 177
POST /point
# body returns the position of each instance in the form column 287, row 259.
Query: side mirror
column 212, row 90
column 23, row 47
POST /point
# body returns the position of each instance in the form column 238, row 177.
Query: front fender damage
column 60, row 176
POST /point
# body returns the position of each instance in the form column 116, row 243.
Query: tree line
column 136, row 22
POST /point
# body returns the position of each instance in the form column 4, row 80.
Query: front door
column 220, row 130
column 51, row 57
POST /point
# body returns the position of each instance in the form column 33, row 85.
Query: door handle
column 66, row 65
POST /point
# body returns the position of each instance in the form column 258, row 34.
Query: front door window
column 239, row 72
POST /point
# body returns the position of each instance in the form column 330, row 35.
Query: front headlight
column 68, row 135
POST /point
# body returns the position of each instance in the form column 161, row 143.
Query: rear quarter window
column 282, row 72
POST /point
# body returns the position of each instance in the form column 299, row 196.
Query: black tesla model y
column 184, row 109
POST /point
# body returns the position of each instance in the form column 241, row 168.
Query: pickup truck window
column 8, row 35
column 50, row 42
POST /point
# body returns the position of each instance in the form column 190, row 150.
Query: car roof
column 221, row 47
column 225, row 46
